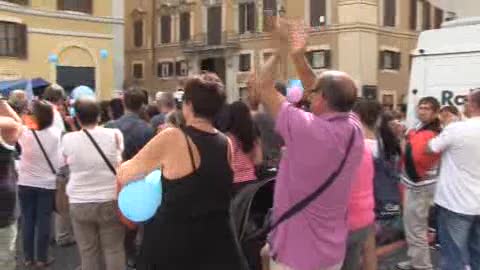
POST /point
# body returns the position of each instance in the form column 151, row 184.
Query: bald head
column 473, row 108
column 18, row 100
column 338, row 89
column 165, row 101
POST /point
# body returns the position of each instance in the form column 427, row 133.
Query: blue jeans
column 37, row 207
column 459, row 240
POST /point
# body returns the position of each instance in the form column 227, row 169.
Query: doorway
column 215, row 65
column 70, row 77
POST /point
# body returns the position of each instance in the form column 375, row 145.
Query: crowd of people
column 350, row 176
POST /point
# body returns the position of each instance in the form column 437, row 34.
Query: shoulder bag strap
column 104, row 157
column 299, row 206
column 44, row 152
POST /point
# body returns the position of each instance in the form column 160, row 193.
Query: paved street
column 67, row 259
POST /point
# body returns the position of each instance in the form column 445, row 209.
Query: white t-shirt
column 458, row 189
column 34, row 170
column 58, row 120
column 91, row 181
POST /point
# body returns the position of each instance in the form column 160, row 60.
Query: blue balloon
column 295, row 83
column 139, row 200
column 53, row 58
column 103, row 53
column 82, row 91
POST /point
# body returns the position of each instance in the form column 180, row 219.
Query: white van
column 446, row 65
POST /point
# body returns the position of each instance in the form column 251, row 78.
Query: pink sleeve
column 292, row 122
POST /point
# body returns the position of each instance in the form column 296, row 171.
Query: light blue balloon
column 139, row 200
column 82, row 91
column 295, row 83
column 53, row 58
column 103, row 53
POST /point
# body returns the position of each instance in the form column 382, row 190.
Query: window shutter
column 251, row 17
column 185, row 26
column 328, row 62
column 438, row 18
column 318, row 8
column 309, row 56
column 214, row 25
column 397, row 60
column 171, row 70
column 138, row 71
column 413, row 15
column 389, row 12
column 61, row 4
column 138, row 33
column 85, row 6
column 166, row 29
column 159, row 70
column 269, row 10
column 22, row 37
column 427, row 22
column 381, row 59
column 241, row 18
column 178, row 68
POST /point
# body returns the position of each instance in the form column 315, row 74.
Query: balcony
column 207, row 42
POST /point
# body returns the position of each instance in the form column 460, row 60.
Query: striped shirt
column 242, row 164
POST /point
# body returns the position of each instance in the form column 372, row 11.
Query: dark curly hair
column 391, row 143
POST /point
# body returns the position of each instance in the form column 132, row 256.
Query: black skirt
column 206, row 242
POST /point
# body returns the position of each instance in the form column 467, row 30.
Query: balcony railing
column 205, row 42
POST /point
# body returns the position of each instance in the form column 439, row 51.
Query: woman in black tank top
column 191, row 229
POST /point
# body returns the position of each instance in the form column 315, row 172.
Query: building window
column 166, row 29
column 427, row 22
column 246, row 18
column 214, row 25
column 269, row 12
column 388, row 101
column 243, row 94
column 319, row 59
column 138, row 33
column 84, row 6
column 138, row 71
column 13, row 39
column 438, row 19
column 369, row 92
column 266, row 56
column 389, row 12
column 181, row 68
column 318, row 12
column 19, row 2
column 165, row 69
column 390, row 60
column 244, row 62
column 185, row 26
column 413, row 14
